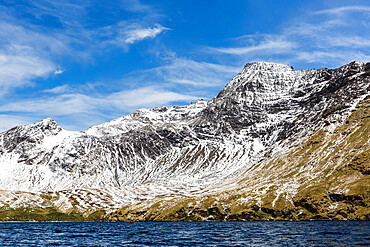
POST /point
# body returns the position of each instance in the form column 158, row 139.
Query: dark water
column 186, row 234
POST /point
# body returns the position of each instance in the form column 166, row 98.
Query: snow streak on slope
column 178, row 150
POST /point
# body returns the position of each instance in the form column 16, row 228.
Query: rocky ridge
column 178, row 151
column 325, row 177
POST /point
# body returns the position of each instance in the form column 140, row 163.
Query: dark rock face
column 25, row 139
column 305, row 97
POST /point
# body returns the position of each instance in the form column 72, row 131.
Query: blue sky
column 86, row 62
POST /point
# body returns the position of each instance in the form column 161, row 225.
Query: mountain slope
column 327, row 176
column 266, row 110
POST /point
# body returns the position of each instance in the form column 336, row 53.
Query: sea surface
column 186, row 234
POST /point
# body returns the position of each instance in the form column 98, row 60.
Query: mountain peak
column 262, row 77
column 48, row 124
column 357, row 63
column 48, row 120
column 267, row 66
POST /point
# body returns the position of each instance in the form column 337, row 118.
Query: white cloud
column 58, row 71
column 273, row 46
column 29, row 52
column 317, row 55
column 353, row 41
column 124, row 34
column 339, row 36
column 145, row 97
column 9, row 121
column 57, row 90
column 136, row 6
column 340, row 10
column 16, row 36
column 60, row 105
column 135, row 35
column 18, row 70
column 188, row 72
column 98, row 106
column 340, row 57
column 25, row 54
column 313, row 30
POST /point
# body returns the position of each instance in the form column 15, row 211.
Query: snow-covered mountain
column 169, row 151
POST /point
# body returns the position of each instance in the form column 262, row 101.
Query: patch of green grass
column 46, row 214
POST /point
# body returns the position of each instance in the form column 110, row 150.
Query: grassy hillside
column 325, row 177
column 47, row 214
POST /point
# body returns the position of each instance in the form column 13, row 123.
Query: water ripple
column 186, row 234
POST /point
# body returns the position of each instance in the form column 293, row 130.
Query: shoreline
column 309, row 220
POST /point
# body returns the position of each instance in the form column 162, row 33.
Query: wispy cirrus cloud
column 135, row 34
column 29, row 52
column 58, row 90
column 18, row 70
column 329, row 37
column 315, row 56
column 74, row 103
column 149, row 88
column 136, row 6
column 92, row 106
column 188, row 72
column 273, row 45
column 9, row 121
column 25, row 54
column 353, row 41
column 145, row 97
column 125, row 33
column 37, row 37
column 341, row 10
